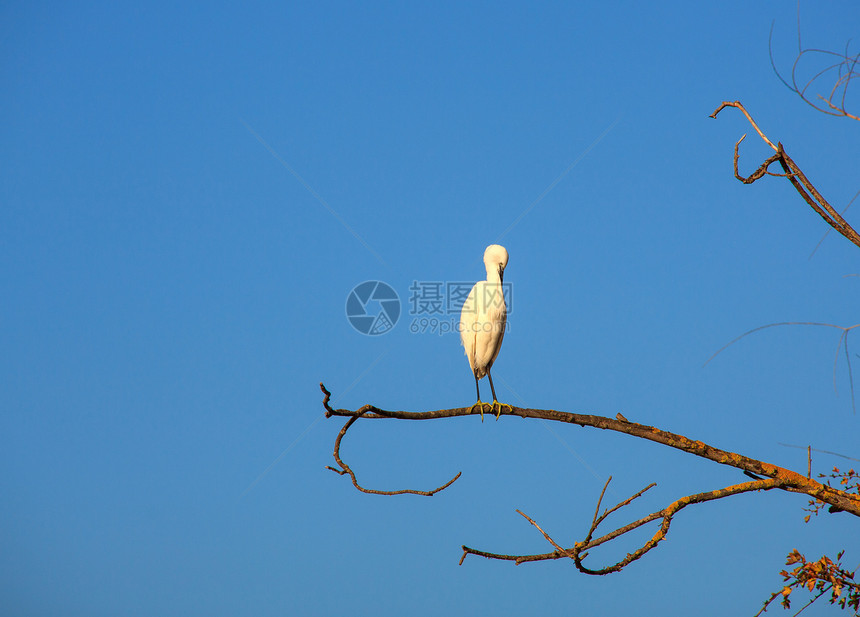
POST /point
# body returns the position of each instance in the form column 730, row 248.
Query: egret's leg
column 495, row 400
column 479, row 404
column 492, row 389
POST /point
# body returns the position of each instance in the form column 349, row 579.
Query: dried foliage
column 819, row 577
column 849, row 480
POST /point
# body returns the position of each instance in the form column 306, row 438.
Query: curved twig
column 738, row 105
column 345, row 469
column 758, row 173
column 770, row 325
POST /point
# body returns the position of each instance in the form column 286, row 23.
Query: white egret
column 482, row 323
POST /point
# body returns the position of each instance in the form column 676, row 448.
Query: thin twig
column 567, row 552
column 788, row 445
column 345, row 469
column 805, row 606
column 594, row 522
column 770, row 325
column 846, row 63
column 597, row 520
column 624, row 503
column 850, row 374
column 842, row 337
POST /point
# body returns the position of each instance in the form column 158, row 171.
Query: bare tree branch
column 769, row 477
column 577, row 552
column 793, row 482
column 845, row 66
column 844, row 210
column 797, row 178
column 668, row 512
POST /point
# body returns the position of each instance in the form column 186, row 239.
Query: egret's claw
column 500, row 407
column 480, row 406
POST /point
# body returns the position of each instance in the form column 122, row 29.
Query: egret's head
column 496, row 258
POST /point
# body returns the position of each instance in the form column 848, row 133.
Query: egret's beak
column 501, row 274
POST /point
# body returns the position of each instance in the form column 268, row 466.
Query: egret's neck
column 493, row 275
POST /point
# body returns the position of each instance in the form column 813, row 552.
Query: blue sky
column 190, row 192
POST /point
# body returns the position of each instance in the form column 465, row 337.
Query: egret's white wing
column 469, row 325
column 490, row 327
column 501, row 323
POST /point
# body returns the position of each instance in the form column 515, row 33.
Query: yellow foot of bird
column 500, row 407
column 480, row 406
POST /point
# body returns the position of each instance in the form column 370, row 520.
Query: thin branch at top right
column 830, row 69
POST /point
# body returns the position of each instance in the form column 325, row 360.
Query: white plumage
column 482, row 322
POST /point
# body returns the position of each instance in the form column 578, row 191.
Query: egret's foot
column 480, row 406
column 500, row 407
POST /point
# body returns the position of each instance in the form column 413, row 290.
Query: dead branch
column 345, row 469
column 577, row 552
column 793, row 482
column 769, row 477
column 669, row 511
column 797, row 178
column 844, row 210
